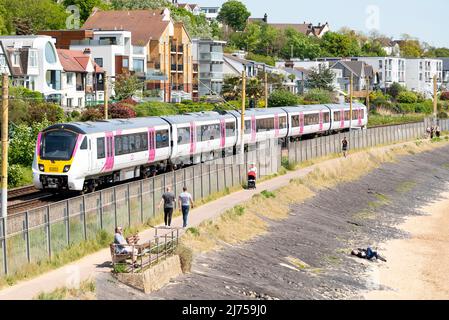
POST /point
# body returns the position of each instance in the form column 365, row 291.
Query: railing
column 79, row 87
column 41, row 233
column 173, row 67
column 89, row 42
column 148, row 253
column 180, row 67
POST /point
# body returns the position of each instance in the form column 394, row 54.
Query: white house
column 211, row 13
column 81, row 79
column 34, row 64
column 387, row 70
column 4, row 61
column 420, row 73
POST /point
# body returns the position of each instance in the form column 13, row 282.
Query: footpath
column 89, row 266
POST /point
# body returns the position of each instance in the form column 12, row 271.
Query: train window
column 138, row 139
column 282, row 122
column 183, row 135
column 118, row 145
column 161, row 139
column 265, row 124
column 144, row 141
column 295, row 121
column 247, row 126
column 326, row 117
column 311, row 119
column 84, row 144
column 230, row 129
column 347, row 115
column 125, row 144
column 100, row 148
column 132, row 143
column 337, row 116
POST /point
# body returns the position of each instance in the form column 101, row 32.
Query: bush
column 15, row 175
column 444, row 96
column 261, row 58
column 395, row 89
column 318, row 96
column 442, row 115
column 91, row 114
column 378, row 99
column 185, row 256
column 75, row 114
column 282, row 98
column 40, row 111
column 407, row 97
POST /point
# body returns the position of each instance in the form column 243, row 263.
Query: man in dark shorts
column 168, row 198
column 344, row 146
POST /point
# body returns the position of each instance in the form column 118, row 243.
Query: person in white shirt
column 185, row 201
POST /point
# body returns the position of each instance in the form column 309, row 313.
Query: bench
column 122, row 257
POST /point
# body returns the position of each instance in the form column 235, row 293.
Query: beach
column 417, row 267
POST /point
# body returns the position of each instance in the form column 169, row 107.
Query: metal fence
column 42, row 233
column 300, row 151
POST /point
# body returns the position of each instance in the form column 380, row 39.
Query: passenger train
column 82, row 156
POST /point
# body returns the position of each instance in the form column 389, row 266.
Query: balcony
column 180, row 68
column 90, row 42
column 79, row 87
column 155, row 74
column 211, row 56
column 173, row 68
column 211, row 75
column 195, row 87
column 177, row 87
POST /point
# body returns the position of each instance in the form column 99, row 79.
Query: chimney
column 265, row 18
column 319, row 24
column 87, row 52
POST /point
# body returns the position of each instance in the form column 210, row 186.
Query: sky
column 418, row 18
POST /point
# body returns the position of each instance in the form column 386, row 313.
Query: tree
column 40, row 14
column 340, row 45
column 395, row 89
column 300, row 45
column 234, row 14
column 282, row 98
column 85, row 6
column 139, row 4
column 407, row 97
column 410, row 48
column 373, row 49
column 249, row 39
column 125, row 86
column 320, row 78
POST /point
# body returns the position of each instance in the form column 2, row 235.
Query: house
column 165, row 44
column 4, row 61
column 307, row 29
column 362, row 75
column 445, row 72
column 34, row 64
column 390, row 47
column 387, row 70
column 211, row 13
column 420, row 74
column 208, row 54
column 82, row 79
column 191, row 7
column 234, row 66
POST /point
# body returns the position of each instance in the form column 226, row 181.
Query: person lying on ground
column 367, row 254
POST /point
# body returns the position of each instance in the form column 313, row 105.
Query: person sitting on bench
column 122, row 246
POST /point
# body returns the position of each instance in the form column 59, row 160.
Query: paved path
column 88, row 266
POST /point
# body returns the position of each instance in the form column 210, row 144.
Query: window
column 337, row 116
column 295, row 121
column 282, row 123
column 161, row 139
column 16, row 59
column 208, row 132
column 50, row 54
column 380, row 64
column 183, row 135
column 125, row 63
column 89, row 79
column 265, row 124
column 69, row 102
column 84, row 144
column 2, row 60
column 99, row 61
column 80, row 102
column 138, row 65
column 32, row 62
column 230, row 129
column 131, row 143
column 100, row 148
column 58, row 145
column 70, row 78
column 311, row 119
column 247, row 126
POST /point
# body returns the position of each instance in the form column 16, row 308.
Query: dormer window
column 15, row 59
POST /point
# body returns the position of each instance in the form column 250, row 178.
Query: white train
column 83, row 155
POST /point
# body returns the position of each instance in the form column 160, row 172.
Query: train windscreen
column 57, row 145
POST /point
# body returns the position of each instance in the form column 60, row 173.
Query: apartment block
column 387, row 70
column 208, row 54
column 420, row 74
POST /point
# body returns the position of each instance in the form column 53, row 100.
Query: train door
column 222, row 133
column 321, row 120
column 276, row 125
column 342, row 118
column 151, row 145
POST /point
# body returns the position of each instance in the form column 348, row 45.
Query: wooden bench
column 122, row 257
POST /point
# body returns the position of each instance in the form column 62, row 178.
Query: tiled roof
column 75, row 61
column 145, row 25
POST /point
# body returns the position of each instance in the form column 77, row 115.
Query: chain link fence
column 42, row 233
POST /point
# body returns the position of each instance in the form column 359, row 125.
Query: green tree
column 300, row 45
column 125, row 86
column 40, row 14
column 234, row 14
column 322, row 78
column 85, row 6
column 407, row 97
column 268, row 39
column 282, row 98
column 395, row 89
column 139, row 4
column 340, row 45
column 373, row 49
column 410, row 48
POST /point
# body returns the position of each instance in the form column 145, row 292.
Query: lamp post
column 242, row 117
column 351, row 80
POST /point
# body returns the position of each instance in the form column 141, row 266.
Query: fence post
column 84, row 218
column 27, row 233
column 47, row 217
column 114, row 194
column 101, row 210
column 128, row 201
column 201, row 178
column 67, row 208
column 5, row 256
column 141, row 200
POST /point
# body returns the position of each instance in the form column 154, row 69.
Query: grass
column 186, row 256
column 379, row 120
column 405, row 186
column 86, row 291
column 297, row 263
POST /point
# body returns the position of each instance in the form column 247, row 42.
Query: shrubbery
column 282, row 98
column 318, row 96
column 15, row 175
column 117, row 110
column 407, row 97
column 444, row 96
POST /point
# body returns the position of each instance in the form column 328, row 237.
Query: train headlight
column 41, row 167
column 66, row 168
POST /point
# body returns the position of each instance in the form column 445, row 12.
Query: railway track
column 22, row 191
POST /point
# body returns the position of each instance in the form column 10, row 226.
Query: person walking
column 432, row 130
column 168, row 199
column 185, row 201
column 344, row 146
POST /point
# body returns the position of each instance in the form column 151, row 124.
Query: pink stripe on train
column 78, row 141
column 151, row 145
column 276, row 124
column 192, row 137
column 222, row 133
column 109, row 150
